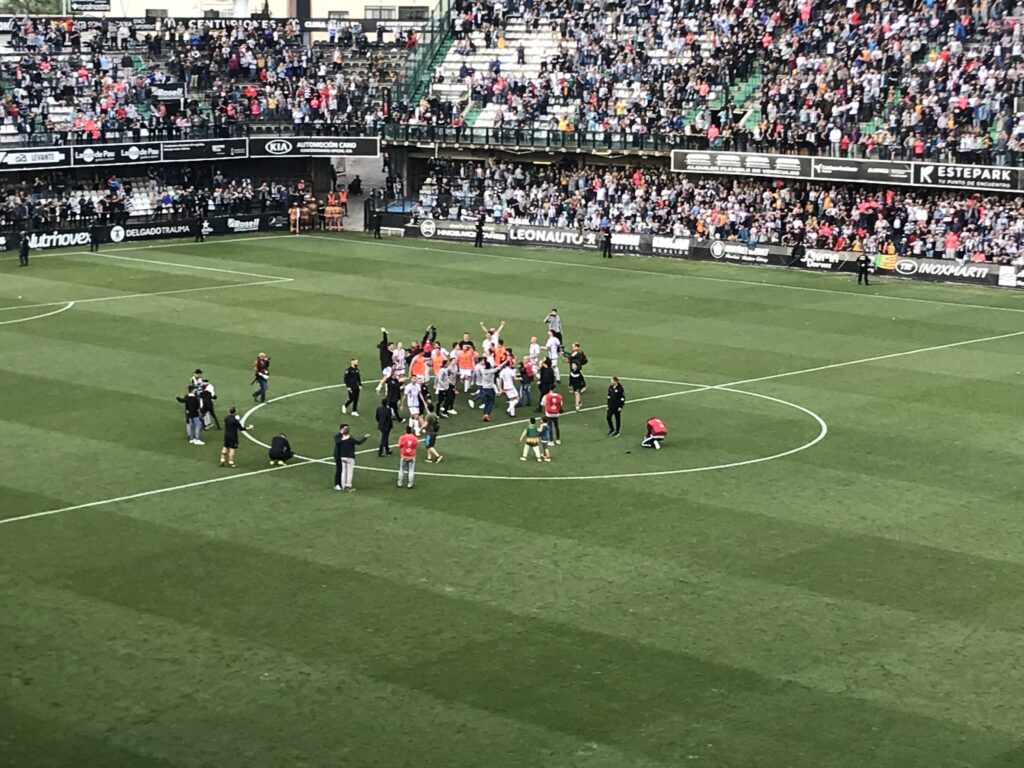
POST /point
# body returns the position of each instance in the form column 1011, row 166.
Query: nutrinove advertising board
column 850, row 170
column 814, row 259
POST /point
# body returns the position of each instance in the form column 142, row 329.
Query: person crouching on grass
column 232, row 426
column 656, row 432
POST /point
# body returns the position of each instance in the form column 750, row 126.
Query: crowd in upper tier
column 936, row 79
column 69, row 82
column 875, row 219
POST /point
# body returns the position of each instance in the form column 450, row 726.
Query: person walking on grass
column 385, row 422
column 545, row 438
column 353, row 383
column 432, row 427
column 407, row 445
column 232, row 426
column 531, row 438
column 193, row 415
column 345, row 457
column 616, row 402
column 577, row 384
column 261, row 377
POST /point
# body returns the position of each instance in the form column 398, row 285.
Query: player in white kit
column 507, row 380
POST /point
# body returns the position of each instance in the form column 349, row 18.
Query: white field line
column 725, row 386
column 64, row 308
column 483, row 254
column 249, row 239
column 153, row 293
column 264, row 279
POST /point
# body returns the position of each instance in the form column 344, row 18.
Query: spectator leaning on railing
column 904, row 220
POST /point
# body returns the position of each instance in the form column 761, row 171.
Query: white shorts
column 465, row 373
column 414, row 411
column 512, row 395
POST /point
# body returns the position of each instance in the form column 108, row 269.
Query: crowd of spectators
column 53, row 200
column 874, row 219
column 75, row 82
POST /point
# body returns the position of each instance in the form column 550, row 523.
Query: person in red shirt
column 656, row 432
column 551, row 403
column 407, row 445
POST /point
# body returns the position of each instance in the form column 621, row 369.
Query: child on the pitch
column 531, row 436
column 577, row 384
column 545, row 438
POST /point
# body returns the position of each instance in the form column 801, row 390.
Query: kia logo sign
column 279, row 147
column 906, row 267
column 116, row 234
column 428, row 228
column 718, row 249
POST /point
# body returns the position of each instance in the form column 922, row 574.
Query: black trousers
column 556, row 431
column 448, row 399
column 606, row 251
column 213, row 417
column 615, row 415
column 22, row 259
column 862, row 276
column 385, row 439
column 337, row 472
column 281, row 456
column 478, row 241
column 94, row 244
column 376, row 232
column 542, row 389
column 353, row 399
column 393, row 405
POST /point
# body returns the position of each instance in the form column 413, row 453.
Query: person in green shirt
column 531, row 436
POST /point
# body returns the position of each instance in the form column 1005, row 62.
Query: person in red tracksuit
column 656, row 432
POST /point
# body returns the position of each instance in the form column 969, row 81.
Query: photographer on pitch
column 261, row 377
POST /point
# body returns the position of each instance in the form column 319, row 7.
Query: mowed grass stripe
column 499, row 631
column 177, row 716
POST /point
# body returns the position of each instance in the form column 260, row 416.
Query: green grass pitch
column 851, row 599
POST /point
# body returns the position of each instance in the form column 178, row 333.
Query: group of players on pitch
column 485, row 374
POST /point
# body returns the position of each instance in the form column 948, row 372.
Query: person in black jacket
column 385, row 423
column 23, row 250
column 545, row 380
column 345, row 458
column 375, row 218
column 863, row 263
column 353, row 383
column 393, row 392
column 385, row 349
column 616, row 402
column 280, row 450
column 606, row 244
column 478, row 239
column 207, row 395
column 95, row 237
column 193, row 415
column 232, row 426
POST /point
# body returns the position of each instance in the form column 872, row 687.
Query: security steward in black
column 95, row 237
column 385, row 422
column 197, row 229
column 478, row 240
column 23, row 250
column 393, row 390
column 606, row 245
column 375, row 217
column 353, row 382
column 863, row 262
column 616, row 402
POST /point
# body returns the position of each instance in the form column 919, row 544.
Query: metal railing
column 662, row 143
column 436, row 32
